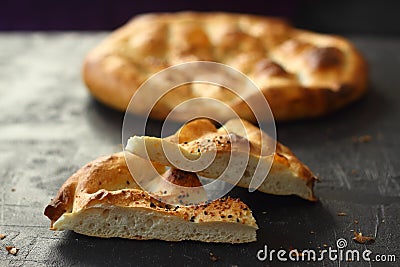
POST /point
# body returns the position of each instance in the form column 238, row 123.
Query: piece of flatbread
column 102, row 199
column 302, row 74
column 287, row 174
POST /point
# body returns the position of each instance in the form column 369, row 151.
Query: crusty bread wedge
column 102, row 199
column 200, row 140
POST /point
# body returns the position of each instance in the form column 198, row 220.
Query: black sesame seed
column 222, row 216
column 229, row 216
column 205, row 213
column 237, row 219
column 152, row 205
column 192, row 219
column 127, row 182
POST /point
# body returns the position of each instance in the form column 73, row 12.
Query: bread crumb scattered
column 2, row 236
column 359, row 238
column 341, row 214
column 362, row 139
column 312, row 232
column 12, row 189
column 12, row 250
column 213, row 257
column 356, row 221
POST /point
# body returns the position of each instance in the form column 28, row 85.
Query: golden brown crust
column 225, row 209
column 64, row 200
column 107, row 181
column 288, row 175
column 181, row 178
column 283, row 156
column 301, row 74
column 108, row 172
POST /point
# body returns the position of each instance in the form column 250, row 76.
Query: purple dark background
column 347, row 17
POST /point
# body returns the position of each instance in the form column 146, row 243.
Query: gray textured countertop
column 50, row 126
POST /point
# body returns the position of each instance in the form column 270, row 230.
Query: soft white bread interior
column 102, row 199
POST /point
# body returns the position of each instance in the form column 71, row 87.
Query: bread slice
column 287, row 174
column 102, row 199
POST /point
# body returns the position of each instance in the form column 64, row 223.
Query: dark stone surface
column 50, row 126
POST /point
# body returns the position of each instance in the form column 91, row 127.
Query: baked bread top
column 301, row 73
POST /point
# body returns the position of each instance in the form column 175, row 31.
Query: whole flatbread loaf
column 302, row 74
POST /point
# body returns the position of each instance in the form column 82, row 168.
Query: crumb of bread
column 12, row 250
column 359, row 238
column 341, row 214
column 213, row 257
column 2, row 236
column 362, row 139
